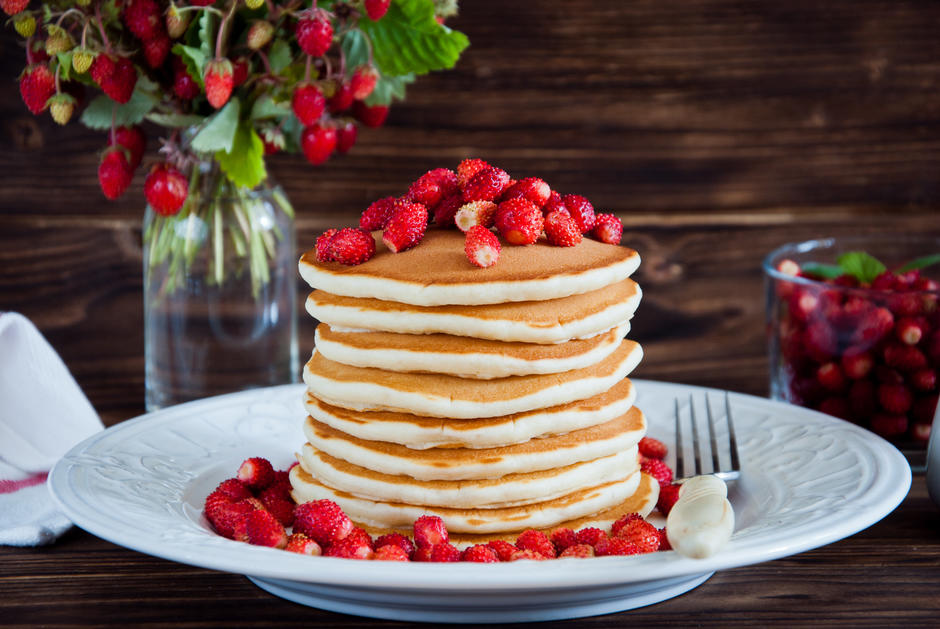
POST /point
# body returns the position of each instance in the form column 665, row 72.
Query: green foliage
column 218, row 133
column 244, row 163
column 98, row 114
column 861, row 266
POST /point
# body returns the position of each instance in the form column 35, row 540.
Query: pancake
column 554, row 321
column 437, row 272
column 618, row 435
column 437, row 395
column 509, row 490
column 430, row 432
column 396, row 515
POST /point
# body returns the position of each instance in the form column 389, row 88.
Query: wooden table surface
column 717, row 130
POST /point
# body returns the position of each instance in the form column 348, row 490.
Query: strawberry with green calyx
column 82, row 60
column 376, row 9
column 58, row 40
column 177, row 21
column 166, row 189
column 37, row 85
column 318, row 143
column 114, row 172
column 25, row 24
column 308, row 103
column 314, row 32
column 363, row 82
column 61, row 107
column 219, row 80
column 259, row 34
column 13, row 7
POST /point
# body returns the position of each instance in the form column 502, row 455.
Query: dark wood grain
column 717, row 130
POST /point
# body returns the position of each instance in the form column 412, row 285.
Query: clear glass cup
column 867, row 352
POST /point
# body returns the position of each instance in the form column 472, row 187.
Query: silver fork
column 727, row 473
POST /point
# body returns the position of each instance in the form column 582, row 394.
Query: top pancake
column 436, row 272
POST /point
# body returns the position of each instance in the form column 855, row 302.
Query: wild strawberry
column 924, row 379
column 396, row 539
column 225, row 518
column 475, row 213
column 25, row 24
column 424, row 191
column 578, row 551
column 561, row 230
column 279, row 505
column 611, row 546
column 265, row 530
column 921, row 432
column 176, row 21
column 376, row 9
column 518, row 221
column 836, row 406
column 233, row 489
column 444, row 553
column 114, row 173
column 259, row 34
column 256, row 472
column 531, row 189
column 445, row 211
column 653, row 448
column 536, row 541
column 390, row 552
column 658, row 470
column 608, row 228
column 241, row 66
column 166, row 189
column 184, row 85
column 895, row 398
column 581, row 211
column 788, row 267
column 58, row 40
column 143, row 18
column 371, row 116
column 254, row 4
column 314, row 32
column 219, row 80
column 856, row 363
column 873, row 326
column 668, row 494
column 502, row 548
column 360, row 536
column 821, row 342
column 525, row 553
column 347, row 548
column 363, row 82
column 486, row 185
column 156, row 50
column 554, row 204
column 116, row 76
column 909, row 331
column 322, row 521
column 405, row 227
column 479, row 553
column 830, row 376
column 904, row 357
column 82, row 60
column 322, row 246
column 376, row 215
column 37, row 85
column 341, row 99
column 61, row 107
column 468, row 168
column 590, row 535
column 563, row 538
column 862, row 399
column 622, row 522
column 887, row 375
column 482, row 247
column 318, row 143
column 346, row 135
column 422, row 554
column 351, row 246
column 430, row 530
column 303, row 545
column 889, row 425
column 308, row 103
column 12, row 7
column 641, row 533
column 664, row 540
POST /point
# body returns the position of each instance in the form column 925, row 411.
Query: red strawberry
column 532, row 189
column 518, row 221
column 862, row 400
column 376, row 215
column 323, row 245
column 578, row 551
column 563, row 538
column 351, row 246
column 536, row 541
column 445, row 212
column 608, row 228
column 581, row 211
column 219, row 79
column 664, row 540
column 503, row 549
column 116, row 76
column 486, row 185
column 475, row 213
column 322, row 521
column 590, row 535
column 821, row 342
column 422, row 554
column 301, row 544
column 342, row 98
column 308, row 103
column 265, row 530
column 314, row 32
column 156, row 50
column 658, row 470
column 318, row 143
column 468, row 168
column 641, row 533
column 430, row 530
column 668, row 494
column 240, row 69
column 363, row 82
column 233, row 489
column 525, row 553
column 561, row 230
column 12, row 7
column 396, row 539
column 856, row 363
column 895, row 398
column 622, row 523
column 376, row 9
column 479, row 553
column 653, row 448
column 166, row 189
column 184, row 85
column 350, row 548
column 390, row 552
column 143, row 18
column 114, row 173
column 444, row 553
column 405, row 227
column 346, row 136
column 909, row 330
column 904, row 357
column 225, row 518
column 889, row 425
column 256, row 472
column 37, row 86
column 836, row 406
column 830, row 376
column 554, row 204
column 360, row 536
column 482, row 247
column 133, row 139
column 610, row 546
column 279, row 505
column 373, row 116
column 924, row 380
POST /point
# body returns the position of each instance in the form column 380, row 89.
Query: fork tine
column 680, row 459
column 713, row 440
column 735, row 463
column 696, row 451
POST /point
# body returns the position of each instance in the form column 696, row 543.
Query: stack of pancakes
column 494, row 398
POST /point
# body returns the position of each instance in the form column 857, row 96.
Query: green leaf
column 409, row 40
column 355, row 48
column 389, row 88
column 206, row 35
column 265, row 107
column 195, row 61
column 98, row 113
column 244, row 163
column 175, row 121
column 292, row 130
column 279, row 56
column 220, row 130
column 826, row 271
column 920, row 263
column 861, row 266
column 65, row 65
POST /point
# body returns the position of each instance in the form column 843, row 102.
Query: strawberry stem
column 100, row 23
column 223, row 30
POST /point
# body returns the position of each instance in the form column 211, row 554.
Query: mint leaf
column 279, row 56
column 99, row 111
column 861, row 266
column 920, row 263
column 244, row 163
column 409, row 40
column 826, row 271
column 195, row 61
column 220, row 130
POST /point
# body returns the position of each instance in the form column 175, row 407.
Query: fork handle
column 702, row 520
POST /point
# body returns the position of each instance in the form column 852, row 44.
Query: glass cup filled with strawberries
column 854, row 332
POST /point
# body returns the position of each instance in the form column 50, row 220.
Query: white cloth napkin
column 43, row 413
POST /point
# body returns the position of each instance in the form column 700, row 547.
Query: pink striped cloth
column 43, row 413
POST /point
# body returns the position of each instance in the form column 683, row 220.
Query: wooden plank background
column 717, row 130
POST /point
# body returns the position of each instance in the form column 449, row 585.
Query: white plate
column 808, row 480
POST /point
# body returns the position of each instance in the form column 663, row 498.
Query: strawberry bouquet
column 229, row 82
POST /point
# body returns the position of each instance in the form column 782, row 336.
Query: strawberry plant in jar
column 854, row 331
column 225, row 83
